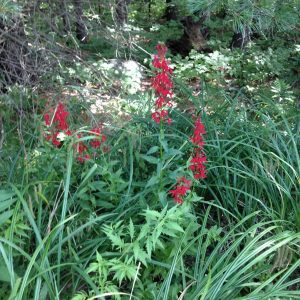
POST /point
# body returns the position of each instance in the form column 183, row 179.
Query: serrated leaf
column 93, row 267
column 174, row 226
column 160, row 244
column 156, row 234
column 143, row 256
column 149, row 246
column 144, row 232
column 97, row 185
column 123, row 271
column 169, row 232
column 153, row 214
column 116, row 241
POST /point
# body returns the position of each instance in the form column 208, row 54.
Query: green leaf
column 153, row 214
column 152, row 181
column 105, row 204
column 149, row 246
column 5, row 216
column 173, row 151
column 144, row 232
column 152, row 150
column 5, row 195
column 6, row 203
column 174, row 226
column 150, row 159
column 4, row 274
column 116, row 241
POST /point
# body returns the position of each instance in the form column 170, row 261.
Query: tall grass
column 241, row 265
column 254, row 165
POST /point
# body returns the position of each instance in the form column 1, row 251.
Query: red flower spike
column 160, row 102
column 162, row 85
column 183, row 186
column 59, row 123
column 197, row 163
column 96, row 143
column 60, row 117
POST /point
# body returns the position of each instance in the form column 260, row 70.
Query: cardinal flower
column 182, row 187
column 162, row 84
column 197, row 163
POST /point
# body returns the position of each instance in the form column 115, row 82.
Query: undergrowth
column 87, row 217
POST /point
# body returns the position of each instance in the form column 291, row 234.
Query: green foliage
column 9, row 9
column 108, row 227
column 263, row 16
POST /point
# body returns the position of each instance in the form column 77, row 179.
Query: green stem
column 161, row 136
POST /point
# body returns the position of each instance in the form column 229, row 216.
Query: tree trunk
column 241, row 39
column 65, row 17
column 171, row 11
column 81, row 31
column 193, row 31
column 192, row 38
column 121, row 11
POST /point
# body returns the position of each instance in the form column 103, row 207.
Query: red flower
column 197, row 163
column 161, row 50
column 159, row 102
column 80, row 159
column 83, row 158
column 47, row 119
column 162, row 85
column 199, row 130
column 96, row 143
column 156, row 117
column 61, row 116
column 183, row 185
column 55, row 141
column 161, row 64
column 80, row 147
column 58, row 122
column 68, row 132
